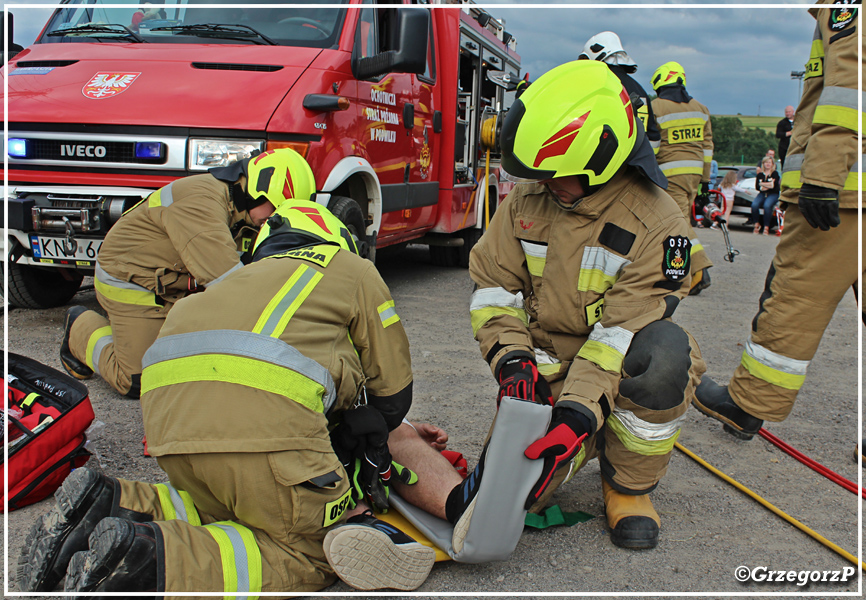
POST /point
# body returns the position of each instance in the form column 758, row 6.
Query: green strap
column 553, row 516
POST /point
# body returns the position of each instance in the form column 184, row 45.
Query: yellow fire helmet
column 299, row 224
column 668, row 73
column 576, row 119
column 279, row 175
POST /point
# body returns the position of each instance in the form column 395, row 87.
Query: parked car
column 746, row 180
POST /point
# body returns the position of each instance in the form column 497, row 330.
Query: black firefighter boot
column 73, row 366
column 85, row 498
column 714, row 401
column 123, row 557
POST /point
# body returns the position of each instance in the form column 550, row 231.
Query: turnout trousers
column 810, row 274
column 660, row 373
column 114, row 347
column 241, row 523
column 683, row 189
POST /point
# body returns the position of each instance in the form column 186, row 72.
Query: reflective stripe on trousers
column 241, row 559
column 177, row 504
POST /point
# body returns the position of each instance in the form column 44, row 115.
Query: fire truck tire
column 470, row 238
column 445, row 256
column 39, row 287
column 350, row 213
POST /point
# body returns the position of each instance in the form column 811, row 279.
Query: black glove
column 519, row 377
column 820, row 206
column 565, row 436
column 705, row 188
column 361, row 443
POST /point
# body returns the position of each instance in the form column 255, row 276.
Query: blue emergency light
column 17, row 148
column 148, row 150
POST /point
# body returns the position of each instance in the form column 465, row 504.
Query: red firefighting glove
column 519, row 378
column 361, row 443
column 820, row 206
column 565, row 436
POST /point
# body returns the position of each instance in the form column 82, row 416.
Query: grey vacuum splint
column 497, row 521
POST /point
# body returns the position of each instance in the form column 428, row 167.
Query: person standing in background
column 783, row 132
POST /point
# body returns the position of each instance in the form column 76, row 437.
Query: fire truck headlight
column 206, row 153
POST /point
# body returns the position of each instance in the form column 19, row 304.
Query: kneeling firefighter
column 238, row 394
column 576, row 282
column 184, row 237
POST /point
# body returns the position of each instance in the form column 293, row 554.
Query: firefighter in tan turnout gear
column 816, row 260
column 238, row 395
column 176, row 241
column 684, row 153
column 577, row 279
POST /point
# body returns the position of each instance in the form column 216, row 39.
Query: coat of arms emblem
column 106, row 85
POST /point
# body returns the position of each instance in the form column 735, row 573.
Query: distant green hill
column 768, row 124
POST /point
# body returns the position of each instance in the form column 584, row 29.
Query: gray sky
column 737, row 59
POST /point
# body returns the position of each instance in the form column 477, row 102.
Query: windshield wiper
column 98, row 30
column 237, row 32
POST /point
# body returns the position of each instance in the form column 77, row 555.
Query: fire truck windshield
column 315, row 23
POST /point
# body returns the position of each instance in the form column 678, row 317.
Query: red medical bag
column 46, row 415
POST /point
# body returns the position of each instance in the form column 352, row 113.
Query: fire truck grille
column 99, row 151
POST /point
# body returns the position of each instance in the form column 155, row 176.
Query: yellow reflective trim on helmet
column 602, row 355
column 481, row 316
column 238, row 370
column 287, row 301
column 142, row 297
column 388, row 313
column 772, row 376
column 841, row 116
column 91, row 344
column 637, row 445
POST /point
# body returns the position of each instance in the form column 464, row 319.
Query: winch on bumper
column 54, row 235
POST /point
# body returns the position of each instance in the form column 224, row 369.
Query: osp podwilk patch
column 677, row 257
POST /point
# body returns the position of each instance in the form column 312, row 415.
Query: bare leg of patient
column 436, row 476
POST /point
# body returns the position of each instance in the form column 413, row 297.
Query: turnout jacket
column 823, row 148
column 686, row 146
column 180, row 231
column 259, row 363
column 574, row 287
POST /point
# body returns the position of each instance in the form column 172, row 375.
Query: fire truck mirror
column 407, row 53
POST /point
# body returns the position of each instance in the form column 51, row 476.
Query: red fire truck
column 394, row 107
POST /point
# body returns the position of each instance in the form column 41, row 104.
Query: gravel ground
column 709, row 528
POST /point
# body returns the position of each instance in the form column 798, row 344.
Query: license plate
column 57, row 250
